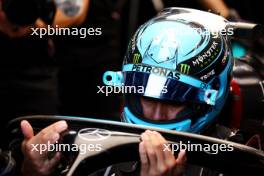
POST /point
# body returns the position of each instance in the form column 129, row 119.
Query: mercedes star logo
column 94, row 134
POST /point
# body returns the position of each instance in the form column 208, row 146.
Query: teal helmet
column 180, row 56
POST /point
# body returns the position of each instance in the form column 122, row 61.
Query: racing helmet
column 180, row 56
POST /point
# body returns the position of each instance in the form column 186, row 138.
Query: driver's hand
column 155, row 161
column 36, row 163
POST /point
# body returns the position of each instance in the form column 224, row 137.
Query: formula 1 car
column 116, row 142
column 244, row 109
column 119, row 143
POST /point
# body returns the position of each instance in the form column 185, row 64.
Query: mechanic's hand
column 9, row 29
column 155, row 161
column 36, row 163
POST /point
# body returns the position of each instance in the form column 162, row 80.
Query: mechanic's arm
column 217, row 6
column 10, row 29
column 155, row 161
column 36, row 163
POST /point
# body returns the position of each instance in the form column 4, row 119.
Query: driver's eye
column 148, row 101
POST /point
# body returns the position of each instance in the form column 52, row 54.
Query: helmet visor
column 166, row 89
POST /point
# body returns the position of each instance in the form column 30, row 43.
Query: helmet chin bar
column 122, row 146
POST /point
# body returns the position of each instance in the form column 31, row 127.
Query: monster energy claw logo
column 185, row 69
column 136, row 58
